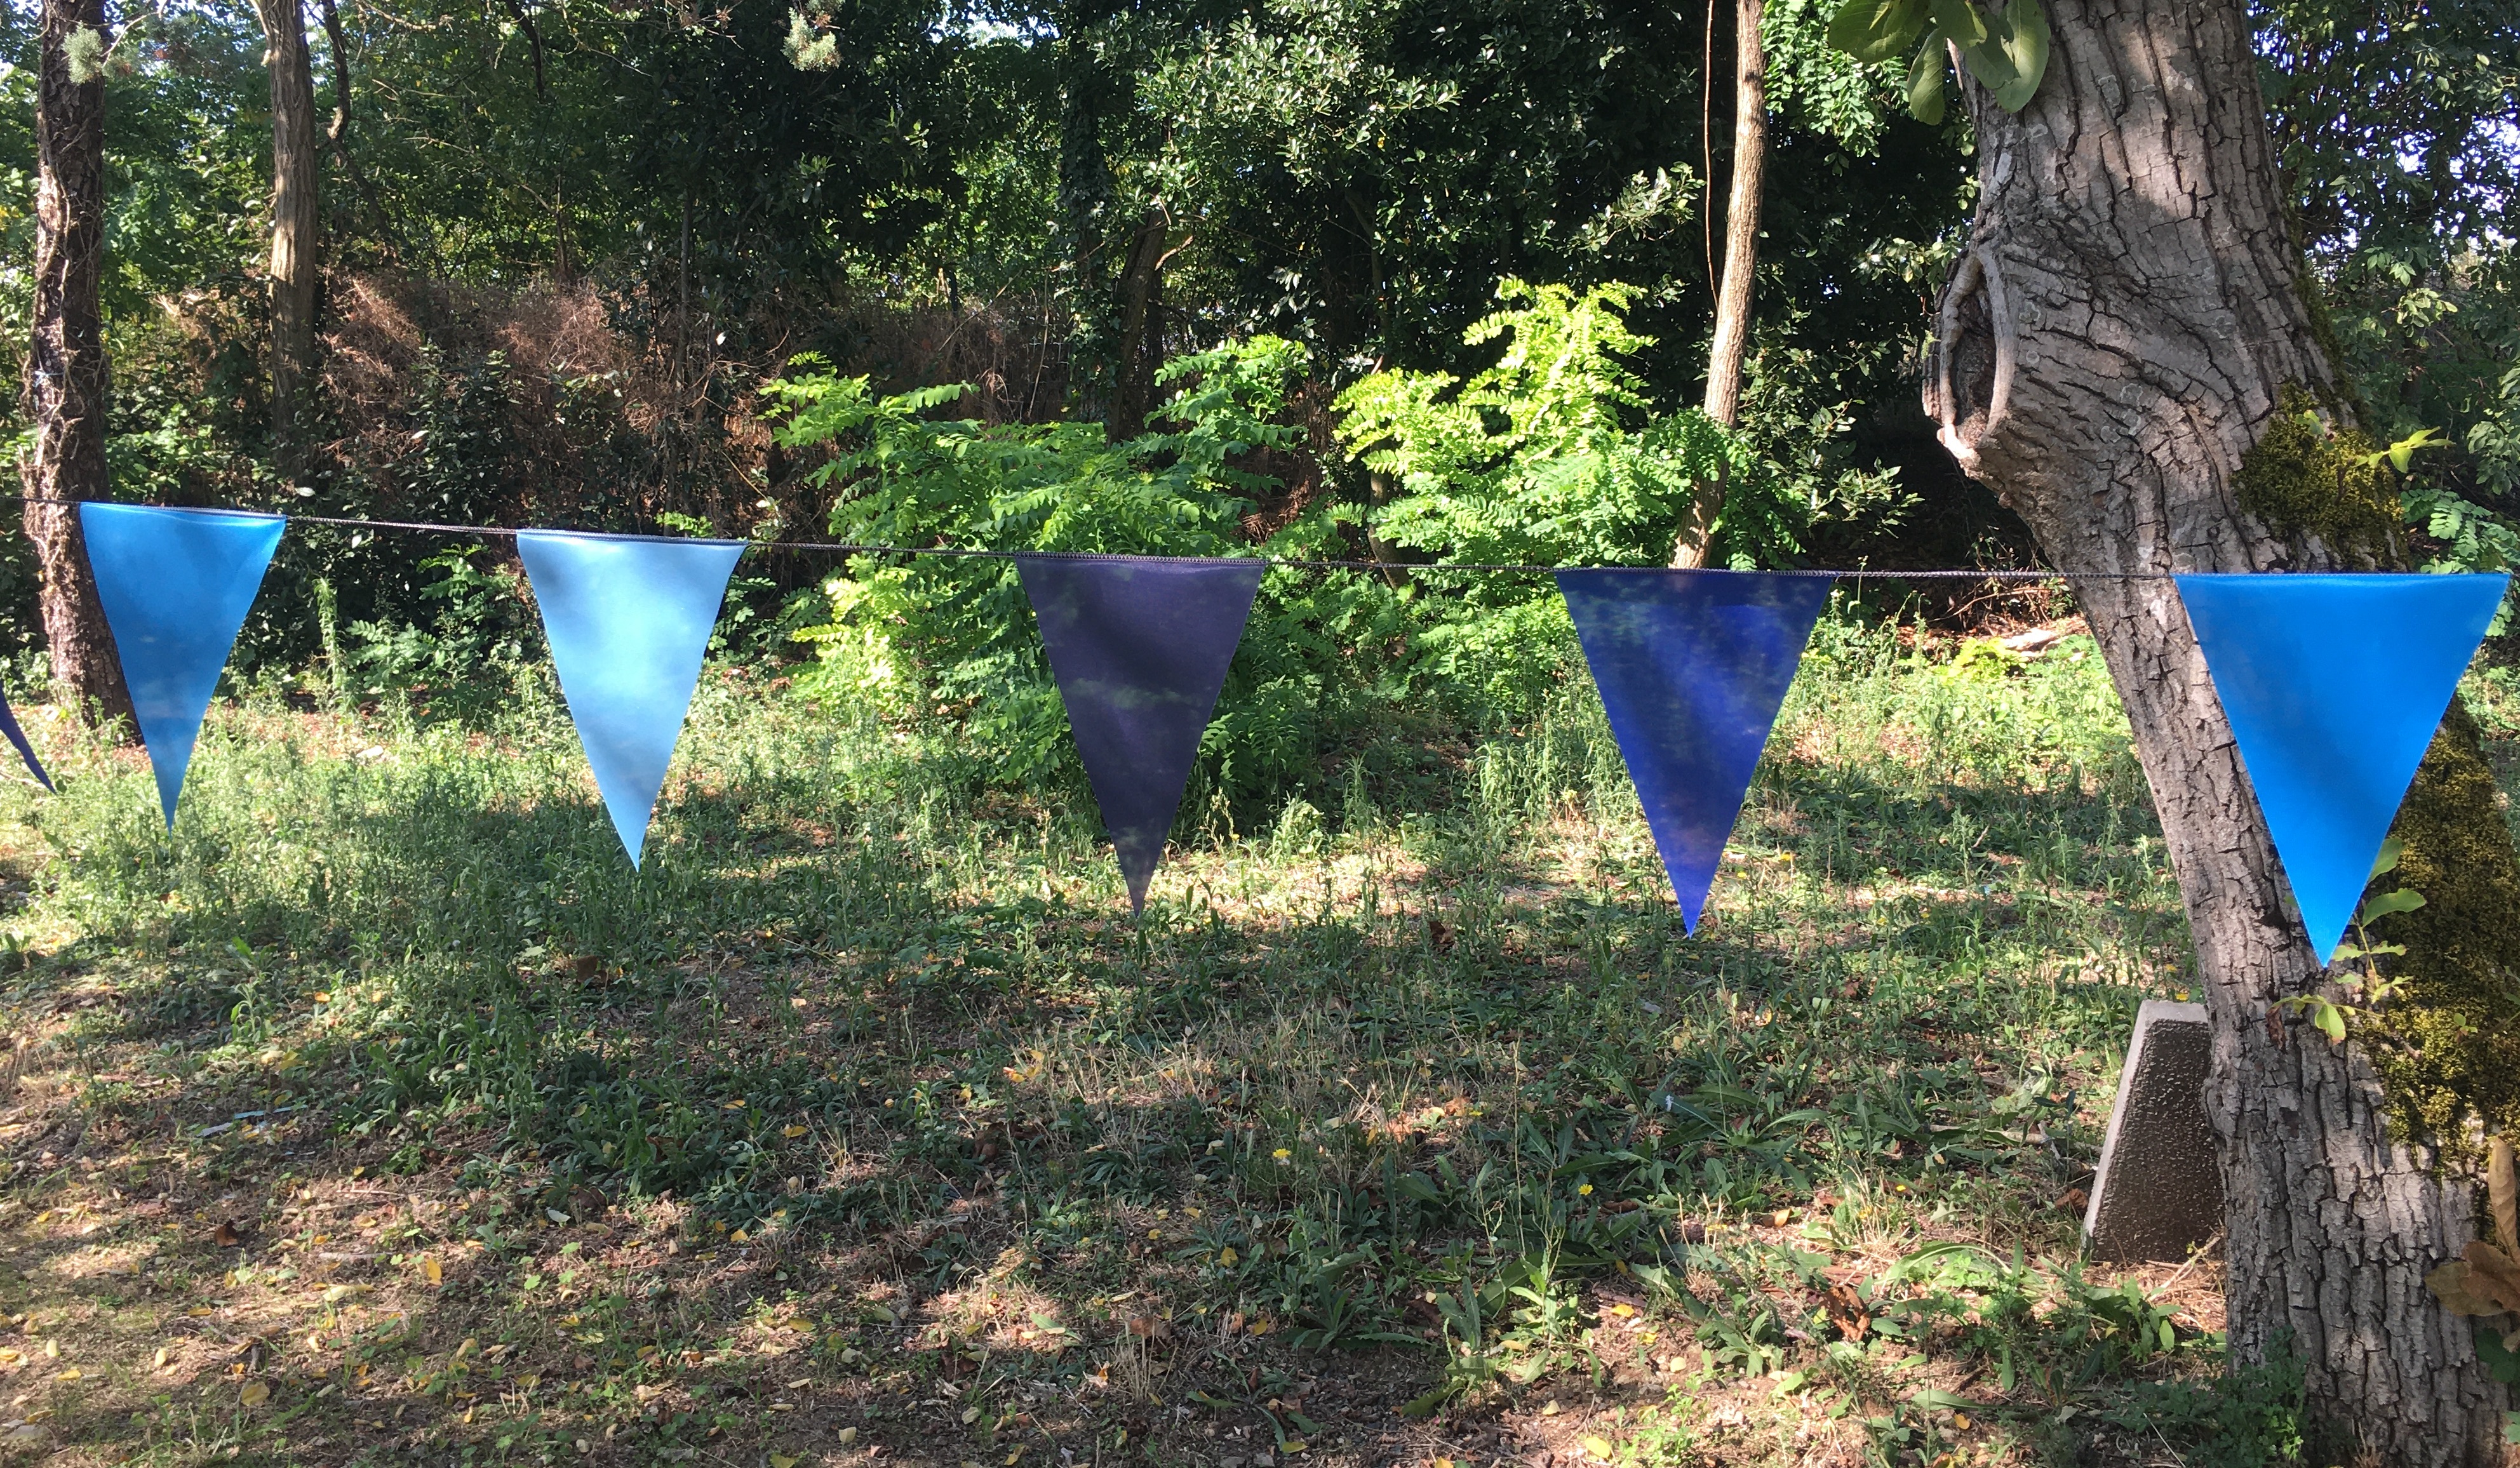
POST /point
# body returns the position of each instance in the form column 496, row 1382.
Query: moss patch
column 2307, row 481
column 2448, row 1051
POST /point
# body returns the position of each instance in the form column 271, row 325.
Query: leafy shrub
column 956, row 636
column 1552, row 456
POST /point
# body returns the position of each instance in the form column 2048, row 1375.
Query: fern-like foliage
column 954, row 637
column 1553, row 456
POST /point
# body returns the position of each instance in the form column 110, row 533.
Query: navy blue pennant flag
column 1140, row 648
column 628, row 618
column 2333, row 686
column 1692, row 667
column 175, row 585
column 18, row 737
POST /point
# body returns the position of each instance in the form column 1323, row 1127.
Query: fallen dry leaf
column 1846, row 1312
column 255, row 1394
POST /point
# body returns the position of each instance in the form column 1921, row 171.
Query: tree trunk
column 2128, row 319
column 1740, row 259
column 1138, row 349
column 296, row 227
column 66, row 368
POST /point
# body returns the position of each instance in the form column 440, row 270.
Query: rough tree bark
column 296, row 225
column 1138, row 348
column 2130, row 320
column 1723, row 355
column 66, row 378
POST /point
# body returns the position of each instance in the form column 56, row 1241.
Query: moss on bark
column 2315, row 485
column 2448, row 1047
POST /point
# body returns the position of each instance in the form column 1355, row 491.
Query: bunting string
column 1290, row 563
column 2332, row 683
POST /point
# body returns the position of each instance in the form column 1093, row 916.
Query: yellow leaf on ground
column 793, row 1133
column 1600, row 1447
column 255, row 1394
column 431, row 1270
column 781, row 1460
column 846, row 1436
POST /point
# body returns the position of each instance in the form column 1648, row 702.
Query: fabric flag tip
column 26, row 750
column 1692, row 666
column 2334, row 685
column 628, row 618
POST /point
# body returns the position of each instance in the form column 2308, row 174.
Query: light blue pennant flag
column 175, row 586
column 1692, row 667
column 2333, row 686
column 628, row 618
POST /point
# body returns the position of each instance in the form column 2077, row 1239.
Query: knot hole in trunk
column 1968, row 379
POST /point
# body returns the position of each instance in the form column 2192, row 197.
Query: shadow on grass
column 854, row 1122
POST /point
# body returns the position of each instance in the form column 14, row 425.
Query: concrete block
column 2159, row 1191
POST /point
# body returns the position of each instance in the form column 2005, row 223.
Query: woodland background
column 1428, row 280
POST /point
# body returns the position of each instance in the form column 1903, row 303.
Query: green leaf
column 2390, row 851
column 2024, row 40
column 1925, row 81
column 2329, row 1019
column 2383, row 904
column 1959, row 19
column 1875, row 30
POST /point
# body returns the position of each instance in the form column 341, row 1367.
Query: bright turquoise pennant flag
column 175, row 585
column 2333, row 686
column 628, row 618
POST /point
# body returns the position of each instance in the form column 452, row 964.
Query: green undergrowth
column 1410, row 1118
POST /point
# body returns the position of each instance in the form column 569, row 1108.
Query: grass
column 382, row 1114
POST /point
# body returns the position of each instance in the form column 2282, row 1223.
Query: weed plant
column 1410, row 1122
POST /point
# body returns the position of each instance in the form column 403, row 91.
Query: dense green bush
column 1549, row 457
column 955, row 635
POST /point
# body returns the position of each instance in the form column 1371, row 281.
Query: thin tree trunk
column 2128, row 318
column 337, row 132
column 1133, row 352
column 1741, row 260
column 296, row 226
column 65, row 381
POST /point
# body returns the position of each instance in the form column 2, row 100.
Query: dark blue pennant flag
column 1140, row 649
column 2334, row 685
column 18, row 737
column 175, row 585
column 1692, row 667
column 628, row 618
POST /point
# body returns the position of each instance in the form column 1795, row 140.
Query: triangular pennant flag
column 1140, row 648
column 175, row 585
column 1692, row 667
column 2333, row 686
column 628, row 618
column 18, row 737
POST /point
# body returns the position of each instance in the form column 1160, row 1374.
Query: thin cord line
column 848, row 548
